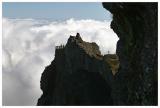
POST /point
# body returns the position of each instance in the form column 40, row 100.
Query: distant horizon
column 54, row 20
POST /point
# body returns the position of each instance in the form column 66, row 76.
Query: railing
column 60, row 47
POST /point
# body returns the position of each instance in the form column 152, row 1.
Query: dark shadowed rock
column 136, row 24
column 79, row 75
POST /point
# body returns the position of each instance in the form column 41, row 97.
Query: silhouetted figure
column 78, row 37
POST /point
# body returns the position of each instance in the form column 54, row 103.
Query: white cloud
column 28, row 46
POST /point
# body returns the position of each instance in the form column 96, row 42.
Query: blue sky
column 55, row 10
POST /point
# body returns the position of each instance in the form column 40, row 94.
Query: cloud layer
column 28, row 46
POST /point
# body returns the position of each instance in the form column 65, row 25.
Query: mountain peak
column 91, row 48
column 78, row 71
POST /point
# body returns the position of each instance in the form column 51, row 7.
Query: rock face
column 79, row 75
column 136, row 25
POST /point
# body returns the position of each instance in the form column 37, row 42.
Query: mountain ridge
column 80, row 63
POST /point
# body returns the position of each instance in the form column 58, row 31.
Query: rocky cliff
column 136, row 25
column 79, row 75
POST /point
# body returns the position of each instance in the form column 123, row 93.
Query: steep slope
column 79, row 75
column 136, row 25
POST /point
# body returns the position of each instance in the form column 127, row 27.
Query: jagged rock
column 113, row 62
column 136, row 25
column 79, row 75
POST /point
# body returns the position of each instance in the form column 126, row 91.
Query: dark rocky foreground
column 136, row 24
column 80, row 75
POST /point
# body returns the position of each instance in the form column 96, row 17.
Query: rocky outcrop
column 79, row 75
column 136, row 25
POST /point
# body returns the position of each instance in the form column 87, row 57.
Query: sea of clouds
column 28, row 46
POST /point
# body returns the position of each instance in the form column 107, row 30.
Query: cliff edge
column 79, row 75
